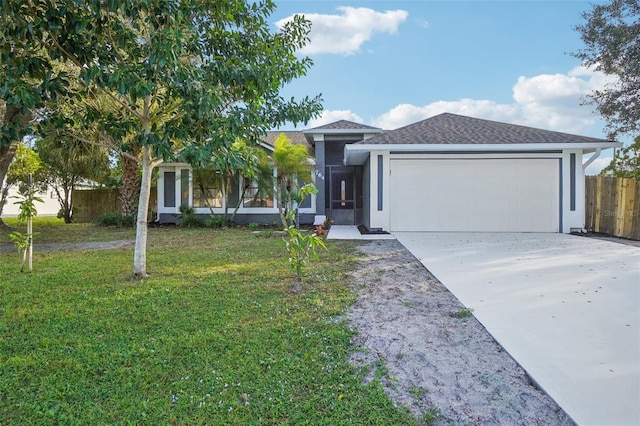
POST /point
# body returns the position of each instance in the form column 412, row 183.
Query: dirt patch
column 432, row 355
column 95, row 245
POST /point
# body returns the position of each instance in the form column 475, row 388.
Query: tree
column 625, row 162
column 25, row 164
column 257, row 172
column 24, row 242
column 13, row 127
column 187, row 77
column 611, row 35
column 294, row 167
column 69, row 161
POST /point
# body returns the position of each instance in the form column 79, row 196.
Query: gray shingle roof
column 344, row 125
column 458, row 129
column 296, row 136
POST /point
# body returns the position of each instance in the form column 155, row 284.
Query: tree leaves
column 611, row 35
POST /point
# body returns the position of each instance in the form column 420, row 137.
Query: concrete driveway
column 567, row 308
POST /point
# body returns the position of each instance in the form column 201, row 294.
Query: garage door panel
column 509, row 195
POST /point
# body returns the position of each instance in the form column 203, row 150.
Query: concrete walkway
column 567, row 308
column 347, row 232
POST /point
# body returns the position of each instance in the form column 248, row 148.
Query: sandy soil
column 89, row 245
column 433, row 358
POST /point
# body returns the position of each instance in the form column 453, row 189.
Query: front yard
column 219, row 334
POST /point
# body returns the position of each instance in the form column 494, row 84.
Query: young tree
column 187, row 76
column 611, row 34
column 26, row 163
column 294, row 167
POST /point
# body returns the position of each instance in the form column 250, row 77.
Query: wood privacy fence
column 88, row 204
column 613, row 206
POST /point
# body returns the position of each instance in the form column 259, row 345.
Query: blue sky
column 391, row 63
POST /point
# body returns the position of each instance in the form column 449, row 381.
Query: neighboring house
column 445, row 173
column 49, row 206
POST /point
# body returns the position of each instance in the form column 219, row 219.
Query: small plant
column 253, row 226
column 24, row 242
column 463, row 314
column 116, row 219
column 432, row 415
column 301, row 245
column 418, row 392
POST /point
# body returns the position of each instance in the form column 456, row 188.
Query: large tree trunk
column 140, row 250
column 130, row 189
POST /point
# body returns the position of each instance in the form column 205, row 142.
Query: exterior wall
column 573, row 198
column 320, row 174
column 571, row 214
column 181, row 190
column 366, row 193
column 379, row 190
column 49, row 206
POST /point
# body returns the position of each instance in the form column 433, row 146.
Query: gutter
column 593, row 157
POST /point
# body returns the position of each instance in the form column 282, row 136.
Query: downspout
column 593, row 157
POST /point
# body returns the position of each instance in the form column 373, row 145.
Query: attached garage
column 451, row 173
column 482, row 195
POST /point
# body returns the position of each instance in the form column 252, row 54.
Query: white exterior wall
column 49, row 207
column 379, row 219
column 572, row 219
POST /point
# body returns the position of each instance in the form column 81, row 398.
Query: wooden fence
column 88, row 204
column 613, row 206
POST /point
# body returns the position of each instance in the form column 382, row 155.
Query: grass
column 219, row 334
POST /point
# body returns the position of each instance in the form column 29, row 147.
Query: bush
column 188, row 218
column 253, row 226
column 115, row 219
column 217, row 222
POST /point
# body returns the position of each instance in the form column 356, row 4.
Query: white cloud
column 548, row 101
column 329, row 116
column 597, row 165
column 404, row 114
column 347, row 32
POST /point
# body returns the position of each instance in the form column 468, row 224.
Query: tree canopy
column 186, row 77
column 611, row 34
column 626, row 162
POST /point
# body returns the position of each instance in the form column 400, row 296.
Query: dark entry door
column 342, row 195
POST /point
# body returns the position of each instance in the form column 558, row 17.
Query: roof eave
column 357, row 153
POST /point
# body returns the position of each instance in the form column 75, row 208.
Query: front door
column 342, row 195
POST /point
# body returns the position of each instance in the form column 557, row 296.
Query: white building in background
column 49, row 206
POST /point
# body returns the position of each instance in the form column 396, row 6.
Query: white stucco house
column 445, row 173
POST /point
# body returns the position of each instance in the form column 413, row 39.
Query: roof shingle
column 458, row 129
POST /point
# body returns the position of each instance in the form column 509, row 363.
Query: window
column 253, row 197
column 207, row 191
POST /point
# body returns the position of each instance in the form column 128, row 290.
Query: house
column 445, row 173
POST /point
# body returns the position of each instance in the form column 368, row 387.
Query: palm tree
column 294, row 169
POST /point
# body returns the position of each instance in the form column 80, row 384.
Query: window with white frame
column 255, row 197
column 207, row 190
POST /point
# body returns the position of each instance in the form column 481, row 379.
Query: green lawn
column 219, row 334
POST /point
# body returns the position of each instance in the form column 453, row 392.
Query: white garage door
column 485, row 195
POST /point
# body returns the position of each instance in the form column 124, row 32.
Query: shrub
column 188, row 218
column 253, row 226
column 115, row 219
column 218, row 222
